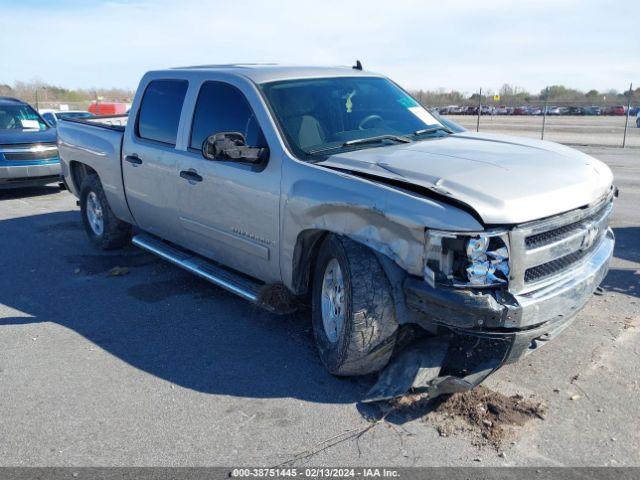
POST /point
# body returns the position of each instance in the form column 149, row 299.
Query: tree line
column 30, row 91
column 509, row 95
column 512, row 96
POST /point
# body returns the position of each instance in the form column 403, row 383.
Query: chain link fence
column 599, row 121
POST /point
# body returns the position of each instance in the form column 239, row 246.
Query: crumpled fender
column 389, row 221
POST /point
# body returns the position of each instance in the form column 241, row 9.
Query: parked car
column 574, row 111
column 329, row 184
column 592, row 110
column 617, row 110
column 108, row 108
column 638, row 120
column 487, row 110
column 502, row 110
column 52, row 116
column 633, row 111
column 521, row 111
column 28, row 151
column 448, row 110
column 554, row 110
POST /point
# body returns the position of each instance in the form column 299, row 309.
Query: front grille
column 557, row 234
column 547, row 250
column 549, row 269
column 27, row 152
column 26, row 156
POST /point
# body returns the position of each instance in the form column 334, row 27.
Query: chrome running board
column 210, row 271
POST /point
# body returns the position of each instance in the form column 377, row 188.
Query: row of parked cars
column 618, row 110
column 28, row 140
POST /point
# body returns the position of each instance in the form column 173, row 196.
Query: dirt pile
column 488, row 416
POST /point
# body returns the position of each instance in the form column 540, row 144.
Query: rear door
column 231, row 213
column 149, row 160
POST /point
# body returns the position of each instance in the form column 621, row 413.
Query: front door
column 229, row 211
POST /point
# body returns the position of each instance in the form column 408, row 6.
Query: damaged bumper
column 480, row 311
column 478, row 338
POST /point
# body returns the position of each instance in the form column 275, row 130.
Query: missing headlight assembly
column 470, row 259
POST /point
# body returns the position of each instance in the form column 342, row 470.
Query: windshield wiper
column 361, row 141
column 432, row 130
column 378, row 139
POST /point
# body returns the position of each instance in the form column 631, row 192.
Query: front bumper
column 28, row 175
column 542, row 314
column 474, row 340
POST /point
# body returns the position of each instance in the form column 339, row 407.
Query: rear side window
column 160, row 110
column 223, row 108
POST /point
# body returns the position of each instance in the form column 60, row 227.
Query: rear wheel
column 354, row 320
column 101, row 225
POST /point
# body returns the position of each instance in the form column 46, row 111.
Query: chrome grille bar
column 545, row 251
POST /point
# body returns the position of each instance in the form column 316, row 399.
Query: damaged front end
column 481, row 314
column 456, row 361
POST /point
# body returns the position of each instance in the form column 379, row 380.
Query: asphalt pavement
column 154, row 367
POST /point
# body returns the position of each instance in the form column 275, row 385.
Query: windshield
column 20, row 117
column 327, row 115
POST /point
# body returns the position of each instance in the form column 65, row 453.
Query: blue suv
column 28, row 149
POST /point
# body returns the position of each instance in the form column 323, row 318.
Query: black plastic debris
column 441, row 365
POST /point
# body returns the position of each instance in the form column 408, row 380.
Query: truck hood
column 17, row 137
column 506, row 180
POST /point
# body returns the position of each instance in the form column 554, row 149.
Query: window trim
column 195, row 109
column 136, row 129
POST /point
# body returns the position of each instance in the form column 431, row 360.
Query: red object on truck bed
column 108, row 108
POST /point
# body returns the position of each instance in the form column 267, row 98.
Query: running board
column 220, row 276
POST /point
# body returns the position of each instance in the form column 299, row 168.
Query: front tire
column 101, row 225
column 354, row 320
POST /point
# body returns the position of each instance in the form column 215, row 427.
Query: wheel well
column 78, row 172
column 306, row 250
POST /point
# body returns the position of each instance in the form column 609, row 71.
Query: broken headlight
column 466, row 259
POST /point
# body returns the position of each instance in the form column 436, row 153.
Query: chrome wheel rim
column 94, row 214
column 333, row 310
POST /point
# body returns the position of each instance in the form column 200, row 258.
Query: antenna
column 357, row 66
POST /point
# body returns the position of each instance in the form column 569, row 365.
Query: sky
column 456, row 44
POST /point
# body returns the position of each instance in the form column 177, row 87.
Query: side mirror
column 232, row 146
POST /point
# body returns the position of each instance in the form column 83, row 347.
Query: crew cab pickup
column 334, row 185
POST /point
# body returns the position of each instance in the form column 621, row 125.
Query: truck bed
column 96, row 143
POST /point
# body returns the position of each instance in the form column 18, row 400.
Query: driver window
column 221, row 107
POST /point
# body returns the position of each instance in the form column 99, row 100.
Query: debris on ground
column 118, row 271
column 489, row 416
column 278, row 299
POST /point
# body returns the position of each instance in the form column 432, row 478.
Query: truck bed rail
column 112, row 122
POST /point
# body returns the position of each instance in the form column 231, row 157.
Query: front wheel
column 103, row 228
column 354, row 321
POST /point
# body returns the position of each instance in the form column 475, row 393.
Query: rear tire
column 102, row 227
column 354, row 321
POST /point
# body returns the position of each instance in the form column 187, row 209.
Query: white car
column 52, row 116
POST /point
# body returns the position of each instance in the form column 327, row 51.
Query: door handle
column 191, row 175
column 134, row 159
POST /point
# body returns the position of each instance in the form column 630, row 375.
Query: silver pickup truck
column 333, row 187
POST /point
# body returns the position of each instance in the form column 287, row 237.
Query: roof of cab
column 10, row 100
column 270, row 72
